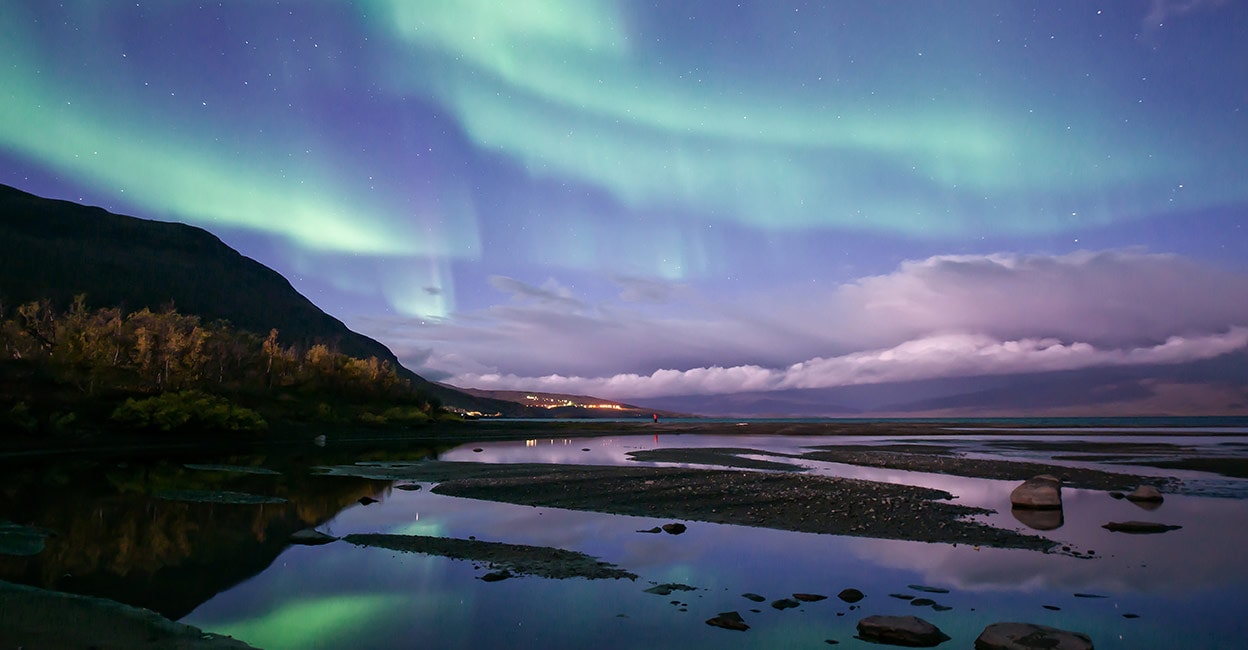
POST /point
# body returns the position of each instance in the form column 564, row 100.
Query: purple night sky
column 637, row 200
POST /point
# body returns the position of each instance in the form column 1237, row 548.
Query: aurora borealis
column 637, row 199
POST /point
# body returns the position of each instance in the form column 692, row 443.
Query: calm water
column 227, row 568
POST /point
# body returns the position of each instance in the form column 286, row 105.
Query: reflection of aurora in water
column 1183, row 584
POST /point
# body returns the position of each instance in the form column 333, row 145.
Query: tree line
column 107, row 352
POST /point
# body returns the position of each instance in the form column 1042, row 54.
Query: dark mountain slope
column 58, row 249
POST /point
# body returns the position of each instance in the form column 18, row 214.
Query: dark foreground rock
column 1043, row 492
column 516, row 558
column 1027, row 636
column 909, row 631
column 1139, row 527
column 674, row 528
column 38, row 618
column 728, row 621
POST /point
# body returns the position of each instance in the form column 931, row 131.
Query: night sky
column 634, row 199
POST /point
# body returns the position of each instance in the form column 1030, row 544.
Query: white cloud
column 937, row 356
column 943, row 316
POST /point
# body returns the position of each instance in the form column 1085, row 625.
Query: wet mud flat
column 1004, row 470
column 914, row 458
column 506, row 559
column 779, row 500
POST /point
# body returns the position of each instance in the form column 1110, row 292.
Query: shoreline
column 18, row 447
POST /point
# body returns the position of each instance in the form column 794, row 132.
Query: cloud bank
column 944, row 316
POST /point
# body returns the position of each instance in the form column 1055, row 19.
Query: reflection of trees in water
column 114, row 539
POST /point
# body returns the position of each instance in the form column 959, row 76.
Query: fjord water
column 227, row 568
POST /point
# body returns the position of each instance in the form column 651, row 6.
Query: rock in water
column 1146, row 494
column 1043, row 492
column 366, row 500
column 910, row 631
column 311, row 537
column 674, row 528
column 1138, row 527
column 728, row 621
column 1026, row 636
column 785, row 603
column 850, row 595
column 496, row 576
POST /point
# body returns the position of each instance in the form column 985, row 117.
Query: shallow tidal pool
column 1184, row 588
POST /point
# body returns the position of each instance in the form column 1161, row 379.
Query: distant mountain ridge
column 58, row 249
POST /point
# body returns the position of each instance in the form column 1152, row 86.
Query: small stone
column 728, row 621
column 656, row 530
column 831, row 641
column 1090, row 596
column 674, row 528
column 408, row 487
column 311, row 537
column 809, row 598
column 477, row 450
column 928, row 590
column 850, row 595
column 495, row 576
column 667, row 588
column 367, row 500
column 922, row 602
column 1146, row 493
column 1138, row 527
column 754, row 597
column 1053, row 608
column 785, row 603
column 909, row 631
column 901, row 596
column 1028, row 636
column 1130, row 615
column 1117, row 495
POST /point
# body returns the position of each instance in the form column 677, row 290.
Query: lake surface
column 228, row 568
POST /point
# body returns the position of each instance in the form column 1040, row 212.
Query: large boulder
column 909, row 631
column 1146, row 494
column 1027, row 636
column 1043, row 492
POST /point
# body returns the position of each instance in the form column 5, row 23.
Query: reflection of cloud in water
column 1203, row 555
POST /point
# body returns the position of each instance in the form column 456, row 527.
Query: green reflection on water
column 322, row 622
